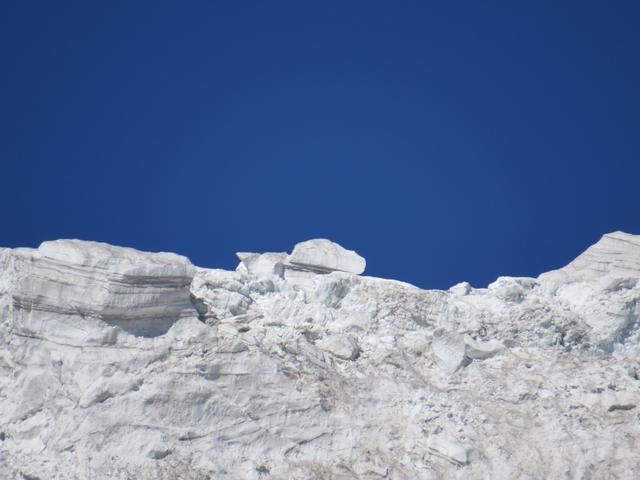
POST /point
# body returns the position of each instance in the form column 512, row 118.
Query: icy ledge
column 116, row 363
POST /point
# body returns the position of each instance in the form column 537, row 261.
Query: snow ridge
column 116, row 363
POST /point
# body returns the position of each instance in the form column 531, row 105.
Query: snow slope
column 120, row 364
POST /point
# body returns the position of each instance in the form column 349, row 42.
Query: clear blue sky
column 444, row 141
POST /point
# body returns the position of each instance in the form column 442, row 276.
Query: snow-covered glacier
column 121, row 364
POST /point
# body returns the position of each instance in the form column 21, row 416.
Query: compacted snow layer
column 119, row 364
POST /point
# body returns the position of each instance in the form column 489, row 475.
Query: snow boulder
column 323, row 254
column 261, row 264
column 453, row 351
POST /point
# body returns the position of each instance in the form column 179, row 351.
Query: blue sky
column 444, row 141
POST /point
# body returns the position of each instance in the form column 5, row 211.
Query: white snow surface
column 120, row 364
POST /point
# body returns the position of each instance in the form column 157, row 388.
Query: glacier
column 121, row 364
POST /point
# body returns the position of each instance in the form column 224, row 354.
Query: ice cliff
column 120, row 364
